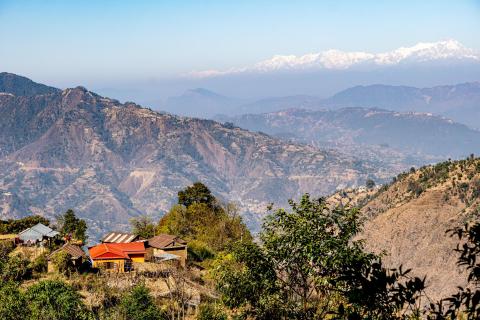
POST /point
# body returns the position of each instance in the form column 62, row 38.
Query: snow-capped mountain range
column 340, row 60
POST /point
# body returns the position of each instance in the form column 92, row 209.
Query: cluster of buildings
column 117, row 252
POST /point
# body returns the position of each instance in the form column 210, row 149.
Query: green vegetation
column 54, row 300
column 308, row 267
column 143, row 226
column 196, row 193
column 72, row 227
column 199, row 218
column 16, row 226
column 209, row 311
column 138, row 304
column 12, row 302
column 307, row 263
column 63, row 262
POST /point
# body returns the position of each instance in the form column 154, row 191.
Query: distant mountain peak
column 22, row 86
column 203, row 92
column 448, row 49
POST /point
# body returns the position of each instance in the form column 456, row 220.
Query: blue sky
column 67, row 42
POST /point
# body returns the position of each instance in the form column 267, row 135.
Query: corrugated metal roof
column 37, row 232
column 116, row 250
column 119, row 237
column 166, row 256
column 75, row 251
column 165, row 241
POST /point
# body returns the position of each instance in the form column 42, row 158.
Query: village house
column 166, row 247
column 37, row 234
column 76, row 253
column 117, row 257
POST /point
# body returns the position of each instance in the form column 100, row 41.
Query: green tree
column 71, row 226
column 12, row 302
column 18, row 225
column 309, row 266
column 54, row 300
column 5, row 248
column 16, row 268
column 63, row 262
column 138, row 304
column 213, row 228
column 40, row 264
column 143, row 226
column 196, row 193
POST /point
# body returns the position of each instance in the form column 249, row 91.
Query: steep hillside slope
column 408, row 220
column 21, row 86
column 357, row 130
column 459, row 102
column 111, row 161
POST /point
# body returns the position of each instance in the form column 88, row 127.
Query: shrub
column 40, row 264
column 210, row 311
column 12, row 302
column 16, row 268
column 138, row 304
column 63, row 262
column 55, row 300
column 199, row 251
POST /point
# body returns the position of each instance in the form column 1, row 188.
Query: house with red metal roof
column 117, row 257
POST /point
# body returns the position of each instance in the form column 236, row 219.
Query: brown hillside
column 408, row 220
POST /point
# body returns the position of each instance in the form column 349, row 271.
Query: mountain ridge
column 111, row 161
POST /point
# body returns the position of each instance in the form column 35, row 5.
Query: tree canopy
column 309, row 266
column 196, row 193
column 72, row 227
column 18, row 225
column 54, row 300
column 143, row 226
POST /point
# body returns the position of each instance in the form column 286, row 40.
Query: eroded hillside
column 408, row 219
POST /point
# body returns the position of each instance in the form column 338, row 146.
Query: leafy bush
column 16, row 268
column 55, row 300
column 40, row 264
column 199, row 251
column 12, row 302
column 63, row 262
column 211, row 312
column 309, row 266
column 138, row 304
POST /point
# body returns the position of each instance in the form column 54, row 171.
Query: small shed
column 77, row 253
column 167, row 247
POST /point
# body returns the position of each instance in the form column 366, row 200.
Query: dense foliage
column 138, row 304
column 143, row 226
column 72, row 227
column 54, row 300
column 196, row 193
column 309, row 266
column 18, row 225
column 201, row 219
